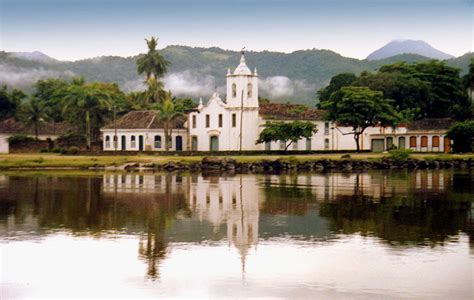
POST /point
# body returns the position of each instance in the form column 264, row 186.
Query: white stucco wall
column 148, row 139
column 5, row 146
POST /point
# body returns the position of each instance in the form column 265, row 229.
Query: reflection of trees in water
column 79, row 204
column 415, row 217
column 287, row 197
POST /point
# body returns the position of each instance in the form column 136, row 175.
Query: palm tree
column 152, row 63
column 83, row 100
column 168, row 113
column 34, row 112
column 155, row 92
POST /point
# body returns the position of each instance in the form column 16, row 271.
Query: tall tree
column 10, row 102
column 33, row 113
column 469, row 79
column 168, row 112
column 336, row 83
column 360, row 108
column 49, row 93
column 85, row 102
column 152, row 63
column 155, row 92
column 286, row 132
column 447, row 96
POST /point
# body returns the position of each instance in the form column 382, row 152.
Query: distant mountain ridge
column 398, row 47
column 197, row 72
column 34, row 56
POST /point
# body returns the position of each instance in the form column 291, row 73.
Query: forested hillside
column 196, row 72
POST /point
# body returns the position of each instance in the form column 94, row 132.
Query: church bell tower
column 242, row 86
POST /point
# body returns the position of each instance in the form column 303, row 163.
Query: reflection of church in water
column 231, row 201
column 237, row 201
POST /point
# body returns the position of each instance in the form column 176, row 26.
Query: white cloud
column 185, row 83
column 281, row 86
column 19, row 77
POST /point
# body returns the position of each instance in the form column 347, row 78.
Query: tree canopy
column 360, row 108
column 428, row 89
column 462, row 134
column 284, row 132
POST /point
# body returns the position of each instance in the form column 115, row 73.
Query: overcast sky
column 76, row 29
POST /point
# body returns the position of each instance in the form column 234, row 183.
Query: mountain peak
column 401, row 46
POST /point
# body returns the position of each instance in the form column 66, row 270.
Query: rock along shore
column 216, row 164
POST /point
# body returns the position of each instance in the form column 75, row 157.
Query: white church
column 234, row 124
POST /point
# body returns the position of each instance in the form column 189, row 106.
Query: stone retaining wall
column 228, row 164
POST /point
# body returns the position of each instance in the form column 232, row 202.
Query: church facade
column 235, row 122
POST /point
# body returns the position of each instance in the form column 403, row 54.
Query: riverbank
column 246, row 163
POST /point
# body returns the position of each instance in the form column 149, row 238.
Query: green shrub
column 399, row 155
column 462, row 134
column 58, row 150
column 43, row 150
column 346, row 156
column 19, row 139
column 71, row 139
column 72, row 150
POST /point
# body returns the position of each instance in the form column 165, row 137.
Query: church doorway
column 214, row 143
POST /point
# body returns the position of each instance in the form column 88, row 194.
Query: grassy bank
column 13, row 161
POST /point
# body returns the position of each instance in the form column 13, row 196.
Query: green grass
column 50, row 160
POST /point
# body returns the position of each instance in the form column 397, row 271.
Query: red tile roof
column 280, row 111
column 13, row 126
column 145, row 119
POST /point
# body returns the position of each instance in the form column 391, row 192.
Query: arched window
column 424, row 141
column 435, row 141
column 133, row 141
column 249, row 90
column 413, row 142
column 107, row 141
column 326, row 144
column 157, row 141
column 234, row 90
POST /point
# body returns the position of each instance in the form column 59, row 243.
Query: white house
column 235, row 122
column 141, row 131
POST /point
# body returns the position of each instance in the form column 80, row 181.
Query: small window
column 326, row 144
column 208, row 121
column 424, row 141
column 234, row 120
column 249, row 90
column 157, row 141
column 133, row 142
column 435, row 141
column 389, row 143
column 220, row 120
column 107, row 141
column 326, row 128
column 194, row 121
column 234, row 90
column 413, row 142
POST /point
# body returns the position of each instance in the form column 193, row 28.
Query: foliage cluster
column 462, row 134
column 428, row 89
column 286, row 132
column 400, row 155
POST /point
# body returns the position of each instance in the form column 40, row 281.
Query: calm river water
column 319, row 235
